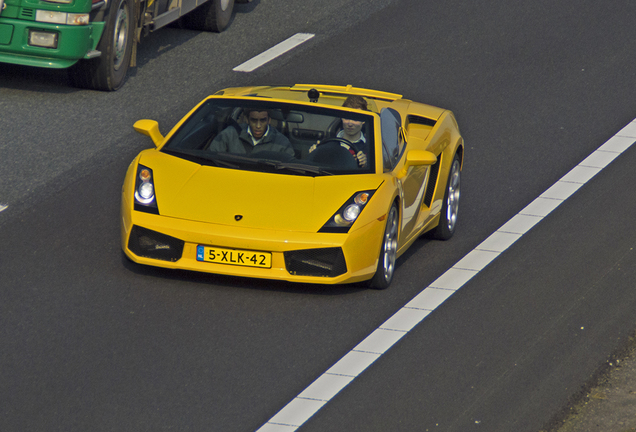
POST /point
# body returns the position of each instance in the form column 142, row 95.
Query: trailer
column 96, row 40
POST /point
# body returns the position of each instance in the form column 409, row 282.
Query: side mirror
column 417, row 158
column 149, row 128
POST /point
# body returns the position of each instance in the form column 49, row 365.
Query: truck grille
column 27, row 14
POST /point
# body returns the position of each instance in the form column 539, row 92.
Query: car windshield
column 286, row 138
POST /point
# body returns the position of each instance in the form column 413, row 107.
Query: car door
column 412, row 184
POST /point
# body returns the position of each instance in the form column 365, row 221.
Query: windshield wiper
column 202, row 158
column 294, row 167
column 278, row 165
column 234, row 161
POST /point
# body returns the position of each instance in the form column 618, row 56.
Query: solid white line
column 273, row 52
column 305, row 405
column 3, row 207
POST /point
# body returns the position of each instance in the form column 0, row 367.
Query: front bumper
column 73, row 43
column 296, row 256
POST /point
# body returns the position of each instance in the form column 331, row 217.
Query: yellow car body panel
column 181, row 186
column 205, row 205
column 366, row 238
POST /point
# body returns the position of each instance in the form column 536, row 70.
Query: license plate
column 234, row 257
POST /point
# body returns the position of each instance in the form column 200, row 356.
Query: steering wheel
column 331, row 153
column 347, row 143
column 342, row 141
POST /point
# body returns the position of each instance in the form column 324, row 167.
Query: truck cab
column 96, row 40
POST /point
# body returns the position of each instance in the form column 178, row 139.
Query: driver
column 255, row 136
column 352, row 130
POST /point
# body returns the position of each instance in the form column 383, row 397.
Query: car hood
column 190, row 191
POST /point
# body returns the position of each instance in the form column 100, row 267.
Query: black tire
column 450, row 208
column 212, row 16
column 388, row 252
column 108, row 71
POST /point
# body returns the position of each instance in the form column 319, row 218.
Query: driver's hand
column 313, row 147
column 362, row 158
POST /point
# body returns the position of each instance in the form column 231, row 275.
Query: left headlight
column 145, row 199
column 61, row 17
column 346, row 215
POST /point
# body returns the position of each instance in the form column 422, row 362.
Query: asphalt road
column 93, row 342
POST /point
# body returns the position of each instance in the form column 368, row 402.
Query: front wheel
column 450, row 208
column 388, row 253
column 213, row 16
column 108, row 71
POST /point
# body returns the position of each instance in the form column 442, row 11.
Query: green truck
column 96, row 39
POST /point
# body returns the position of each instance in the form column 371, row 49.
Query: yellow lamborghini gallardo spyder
column 309, row 183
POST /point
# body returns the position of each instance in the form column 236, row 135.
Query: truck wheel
column 108, row 71
column 213, row 16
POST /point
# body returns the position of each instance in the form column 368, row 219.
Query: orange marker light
column 361, row 198
column 144, row 175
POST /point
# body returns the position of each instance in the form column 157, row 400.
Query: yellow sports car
column 309, row 183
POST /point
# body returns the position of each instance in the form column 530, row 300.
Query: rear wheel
column 108, row 71
column 450, row 208
column 388, row 253
column 213, row 15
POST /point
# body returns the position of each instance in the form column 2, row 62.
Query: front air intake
column 151, row 244
column 325, row 262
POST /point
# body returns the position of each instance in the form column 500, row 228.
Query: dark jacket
column 362, row 144
column 231, row 141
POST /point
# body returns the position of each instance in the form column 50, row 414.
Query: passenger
column 255, row 135
column 352, row 130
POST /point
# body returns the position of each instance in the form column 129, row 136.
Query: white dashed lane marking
column 273, row 52
column 321, row 391
column 3, row 207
